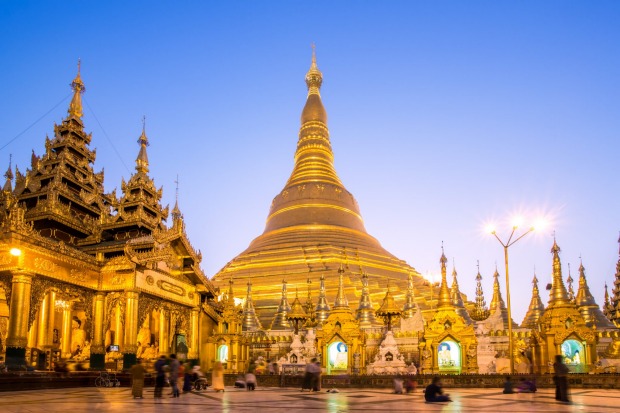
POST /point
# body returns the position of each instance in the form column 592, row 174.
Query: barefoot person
column 434, row 392
column 137, row 379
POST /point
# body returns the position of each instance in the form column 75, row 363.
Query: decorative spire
column 444, row 293
column 457, row 299
column 322, row 306
column 311, row 321
column 142, row 161
column 536, row 309
column 558, row 295
column 314, row 77
column 365, row 311
column 480, row 311
column 607, row 304
column 280, row 321
column 587, row 306
column 250, row 319
column 341, row 298
column 410, row 307
column 614, row 313
column 8, row 186
column 497, row 293
column 177, row 217
column 569, row 281
column 75, row 107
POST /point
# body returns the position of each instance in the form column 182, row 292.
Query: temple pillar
column 193, row 345
column 163, row 333
column 42, row 318
column 17, row 336
column 130, row 346
column 65, row 340
column 32, row 334
column 97, row 345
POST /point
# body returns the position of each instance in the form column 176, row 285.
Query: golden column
column 17, row 337
column 65, row 341
column 46, row 320
column 118, row 327
column 163, row 333
column 195, row 339
column 131, row 328
column 97, row 347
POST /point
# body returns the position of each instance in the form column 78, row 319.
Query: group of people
column 166, row 370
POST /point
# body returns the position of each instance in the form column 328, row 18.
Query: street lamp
column 506, row 245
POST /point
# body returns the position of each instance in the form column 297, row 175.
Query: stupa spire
column 569, row 282
column 410, row 308
column 322, row 307
column 309, row 306
column 365, row 311
column 341, row 298
column 250, row 319
column 75, row 107
column 480, row 311
column 457, row 299
column 280, row 321
column 558, row 296
column 607, row 304
column 587, row 306
column 536, row 308
column 142, row 161
column 497, row 293
column 614, row 312
column 444, row 299
column 8, row 184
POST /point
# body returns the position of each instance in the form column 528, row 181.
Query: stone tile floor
column 78, row 400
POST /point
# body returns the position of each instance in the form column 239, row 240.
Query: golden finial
column 314, row 77
column 142, row 161
column 75, row 107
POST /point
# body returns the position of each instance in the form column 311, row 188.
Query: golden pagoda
column 314, row 224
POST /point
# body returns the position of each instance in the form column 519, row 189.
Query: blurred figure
column 217, row 376
column 398, row 385
column 527, row 386
column 561, row 379
column 508, row 387
column 160, row 377
column 137, row 379
column 174, row 374
column 410, row 385
column 250, row 381
column 434, row 392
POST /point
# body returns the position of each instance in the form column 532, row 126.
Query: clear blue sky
column 443, row 116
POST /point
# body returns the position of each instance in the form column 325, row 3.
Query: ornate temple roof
column 457, row 299
column 314, row 224
column 481, row 311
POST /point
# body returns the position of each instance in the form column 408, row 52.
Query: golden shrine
column 100, row 278
column 92, row 276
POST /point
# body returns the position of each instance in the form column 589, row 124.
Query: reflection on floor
column 275, row 399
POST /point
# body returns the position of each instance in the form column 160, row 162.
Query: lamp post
column 506, row 245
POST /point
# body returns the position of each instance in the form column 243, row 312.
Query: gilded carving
column 171, row 288
column 150, row 280
column 77, row 275
column 7, row 284
column 117, row 279
column 114, row 300
column 6, row 259
column 45, row 265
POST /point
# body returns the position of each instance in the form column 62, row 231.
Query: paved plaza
column 79, row 400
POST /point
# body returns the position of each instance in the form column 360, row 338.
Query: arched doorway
column 572, row 351
column 222, row 353
column 337, row 357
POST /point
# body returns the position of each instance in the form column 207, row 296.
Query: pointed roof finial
column 75, row 107
column 314, row 77
column 142, row 161
column 8, row 187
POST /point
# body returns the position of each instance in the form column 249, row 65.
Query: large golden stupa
column 314, row 226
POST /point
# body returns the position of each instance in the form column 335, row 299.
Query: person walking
column 137, row 379
column 561, row 379
column 217, row 376
column 174, row 374
column 187, row 378
column 309, row 375
column 160, row 377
